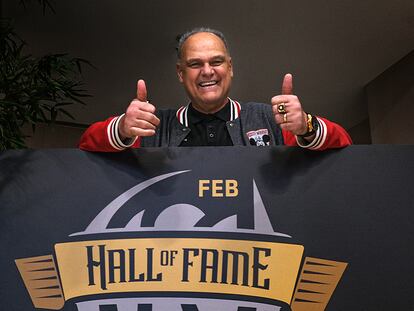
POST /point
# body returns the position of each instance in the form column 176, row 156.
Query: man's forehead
column 203, row 42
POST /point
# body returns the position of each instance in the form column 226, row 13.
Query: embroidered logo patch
column 259, row 137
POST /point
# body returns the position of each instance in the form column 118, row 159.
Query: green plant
column 46, row 4
column 34, row 89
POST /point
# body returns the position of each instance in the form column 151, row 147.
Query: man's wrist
column 126, row 141
column 114, row 136
column 311, row 127
column 120, row 125
column 317, row 140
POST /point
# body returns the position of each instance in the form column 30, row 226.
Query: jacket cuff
column 318, row 141
column 114, row 137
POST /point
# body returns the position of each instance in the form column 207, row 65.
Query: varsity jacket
column 249, row 124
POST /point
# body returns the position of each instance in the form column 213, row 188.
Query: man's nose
column 207, row 69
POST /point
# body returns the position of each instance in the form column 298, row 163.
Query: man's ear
column 179, row 72
column 231, row 67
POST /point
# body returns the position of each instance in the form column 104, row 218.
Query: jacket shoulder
column 255, row 105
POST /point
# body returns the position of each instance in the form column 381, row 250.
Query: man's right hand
column 139, row 118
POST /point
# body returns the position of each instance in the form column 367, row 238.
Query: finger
column 141, row 91
column 143, row 124
column 287, row 85
column 136, row 131
column 288, row 126
column 148, row 116
column 276, row 111
column 280, row 118
column 276, row 100
column 144, row 106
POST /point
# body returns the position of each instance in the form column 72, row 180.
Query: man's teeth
column 208, row 83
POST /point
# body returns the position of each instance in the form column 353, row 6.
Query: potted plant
column 34, row 89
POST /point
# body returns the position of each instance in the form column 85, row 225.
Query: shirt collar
column 195, row 116
column 228, row 113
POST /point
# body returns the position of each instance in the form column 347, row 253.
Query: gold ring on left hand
column 285, row 117
column 281, row 108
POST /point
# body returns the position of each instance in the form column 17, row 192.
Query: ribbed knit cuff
column 114, row 137
column 318, row 141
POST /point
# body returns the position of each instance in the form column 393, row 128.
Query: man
column 205, row 69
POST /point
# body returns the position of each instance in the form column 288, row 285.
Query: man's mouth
column 207, row 83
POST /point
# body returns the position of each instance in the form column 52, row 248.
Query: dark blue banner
column 228, row 228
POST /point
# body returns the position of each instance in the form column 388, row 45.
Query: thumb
column 287, row 85
column 141, row 91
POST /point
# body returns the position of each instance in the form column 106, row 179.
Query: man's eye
column 216, row 63
column 194, row 65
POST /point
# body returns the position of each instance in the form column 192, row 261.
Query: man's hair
column 182, row 38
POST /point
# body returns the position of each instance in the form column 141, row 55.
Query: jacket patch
column 259, row 137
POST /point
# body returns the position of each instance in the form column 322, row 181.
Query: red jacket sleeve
column 103, row 136
column 329, row 135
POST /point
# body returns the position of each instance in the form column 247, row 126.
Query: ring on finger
column 285, row 117
column 281, row 108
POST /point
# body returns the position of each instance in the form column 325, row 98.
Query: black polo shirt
column 208, row 129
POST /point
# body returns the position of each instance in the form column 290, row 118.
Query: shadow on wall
column 361, row 133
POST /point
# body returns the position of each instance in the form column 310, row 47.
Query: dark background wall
column 333, row 48
column 390, row 99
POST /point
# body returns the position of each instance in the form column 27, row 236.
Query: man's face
column 205, row 70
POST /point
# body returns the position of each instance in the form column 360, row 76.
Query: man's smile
column 206, row 84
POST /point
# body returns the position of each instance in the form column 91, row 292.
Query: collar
column 195, row 116
column 235, row 107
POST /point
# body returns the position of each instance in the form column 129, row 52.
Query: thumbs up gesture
column 287, row 109
column 139, row 118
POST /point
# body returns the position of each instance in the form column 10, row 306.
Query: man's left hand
column 294, row 119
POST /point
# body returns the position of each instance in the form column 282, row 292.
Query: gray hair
column 182, row 38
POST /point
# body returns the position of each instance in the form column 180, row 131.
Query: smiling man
column 204, row 67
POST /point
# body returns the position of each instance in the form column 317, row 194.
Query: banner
column 207, row 228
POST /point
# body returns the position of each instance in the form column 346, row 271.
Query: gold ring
column 285, row 117
column 281, row 108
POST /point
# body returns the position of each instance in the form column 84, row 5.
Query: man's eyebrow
column 197, row 59
column 191, row 60
column 218, row 57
